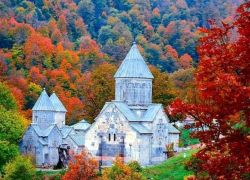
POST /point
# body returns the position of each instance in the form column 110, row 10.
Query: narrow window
column 109, row 137
column 114, row 137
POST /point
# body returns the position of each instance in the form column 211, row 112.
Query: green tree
column 34, row 91
column 21, row 168
column 186, row 138
column 163, row 89
column 183, row 81
column 86, row 10
column 106, row 33
column 7, row 152
column 7, row 100
column 12, row 126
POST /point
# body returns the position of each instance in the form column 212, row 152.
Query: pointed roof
column 134, row 66
column 82, row 125
column 43, row 103
column 57, row 103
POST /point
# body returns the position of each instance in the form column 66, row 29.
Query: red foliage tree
column 38, row 49
column 186, row 61
column 222, row 113
column 37, row 77
column 171, row 52
column 81, row 167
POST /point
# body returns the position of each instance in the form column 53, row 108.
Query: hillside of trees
column 197, row 50
column 73, row 47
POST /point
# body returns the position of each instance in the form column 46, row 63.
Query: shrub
column 186, row 138
column 7, row 152
column 81, row 167
column 19, row 168
column 121, row 171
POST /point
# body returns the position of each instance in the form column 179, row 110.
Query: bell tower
column 133, row 80
column 43, row 112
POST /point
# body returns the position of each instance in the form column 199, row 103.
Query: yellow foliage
column 120, row 171
column 112, row 20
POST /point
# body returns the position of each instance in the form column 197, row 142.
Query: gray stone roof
column 43, row 142
column 58, row 105
column 124, row 108
column 82, row 125
column 140, row 128
column 133, row 66
column 66, row 130
column 172, row 129
column 148, row 115
column 78, row 139
column 151, row 112
column 42, row 132
column 43, row 103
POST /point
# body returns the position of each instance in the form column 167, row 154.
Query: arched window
column 142, row 93
column 146, row 94
column 130, row 94
column 114, row 137
column 109, row 137
column 137, row 94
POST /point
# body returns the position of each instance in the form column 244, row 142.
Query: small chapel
column 130, row 126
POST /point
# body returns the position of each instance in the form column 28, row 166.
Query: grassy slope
column 172, row 169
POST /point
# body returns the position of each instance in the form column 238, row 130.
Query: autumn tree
column 161, row 79
column 97, row 88
column 186, row 61
column 81, row 167
column 184, row 84
column 120, row 170
column 7, row 100
column 20, row 168
column 38, row 50
column 223, row 115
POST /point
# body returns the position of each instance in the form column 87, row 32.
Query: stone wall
column 134, row 91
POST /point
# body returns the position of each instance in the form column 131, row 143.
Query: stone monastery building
column 130, row 126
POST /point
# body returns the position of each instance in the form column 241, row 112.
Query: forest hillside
column 72, row 46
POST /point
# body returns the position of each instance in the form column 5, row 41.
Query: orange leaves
column 36, row 76
column 58, row 76
column 186, row 61
column 37, row 49
column 89, row 46
column 120, row 171
column 97, row 87
column 73, row 104
column 222, row 112
column 171, row 52
column 81, row 167
column 156, row 12
column 170, row 28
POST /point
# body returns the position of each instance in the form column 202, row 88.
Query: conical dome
column 43, row 103
column 57, row 103
column 134, row 66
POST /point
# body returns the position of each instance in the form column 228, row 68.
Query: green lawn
column 172, row 169
column 49, row 174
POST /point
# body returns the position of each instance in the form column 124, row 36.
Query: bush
column 120, row 171
column 81, row 166
column 7, row 152
column 186, row 140
column 20, row 168
column 135, row 166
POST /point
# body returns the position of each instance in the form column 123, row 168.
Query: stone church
column 130, row 126
column 48, row 131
